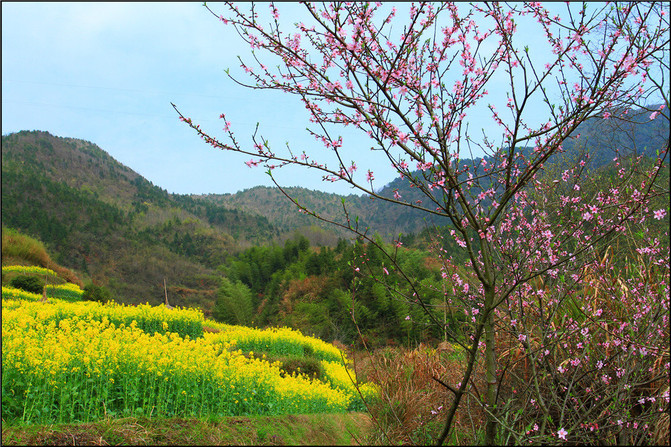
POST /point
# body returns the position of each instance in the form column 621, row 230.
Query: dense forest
column 329, row 291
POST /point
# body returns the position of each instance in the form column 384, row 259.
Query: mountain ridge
column 103, row 219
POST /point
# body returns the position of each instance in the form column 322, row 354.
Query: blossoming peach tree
column 566, row 289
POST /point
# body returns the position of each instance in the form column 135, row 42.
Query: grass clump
column 19, row 246
column 309, row 366
column 30, row 284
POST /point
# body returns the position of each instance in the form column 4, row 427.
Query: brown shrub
column 413, row 406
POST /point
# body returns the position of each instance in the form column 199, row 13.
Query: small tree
column 92, row 292
column 535, row 240
column 234, row 303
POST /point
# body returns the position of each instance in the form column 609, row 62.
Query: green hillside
column 103, row 220
column 100, row 218
column 115, row 228
column 381, row 217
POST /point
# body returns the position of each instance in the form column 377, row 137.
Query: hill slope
column 602, row 139
column 272, row 204
column 104, row 220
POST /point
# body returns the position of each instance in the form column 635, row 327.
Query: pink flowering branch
column 531, row 236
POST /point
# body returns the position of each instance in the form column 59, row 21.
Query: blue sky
column 107, row 73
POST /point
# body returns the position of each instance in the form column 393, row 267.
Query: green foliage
column 93, row 292
column 30, row 284
column 309, row 366
column 234, row 303
column 256, row 266
column 314, row 291
column 66, row 292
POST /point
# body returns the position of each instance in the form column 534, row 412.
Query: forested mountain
column 117, row 229
column 602, row 139
column 381, row 217
column 102, row 219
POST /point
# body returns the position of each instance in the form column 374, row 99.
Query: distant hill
column 114, row 227
column 602, row 139
column 386, row 219
column 102, row 219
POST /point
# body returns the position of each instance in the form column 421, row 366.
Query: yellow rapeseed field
column 80, row 361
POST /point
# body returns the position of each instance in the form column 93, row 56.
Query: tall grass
column 18, row 248
column 412, row 403
column 17, row 245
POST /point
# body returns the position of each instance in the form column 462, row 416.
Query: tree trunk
column 490, row 367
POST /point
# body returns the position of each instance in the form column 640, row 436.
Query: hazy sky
column 107, row 72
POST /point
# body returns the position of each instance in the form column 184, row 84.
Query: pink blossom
column 659, row 214
column 562, row 433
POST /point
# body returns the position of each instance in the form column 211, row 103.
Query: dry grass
column 318, row 429
column 20, row 249
column 413, row 406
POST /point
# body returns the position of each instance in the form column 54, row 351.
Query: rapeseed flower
column 94, row 360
